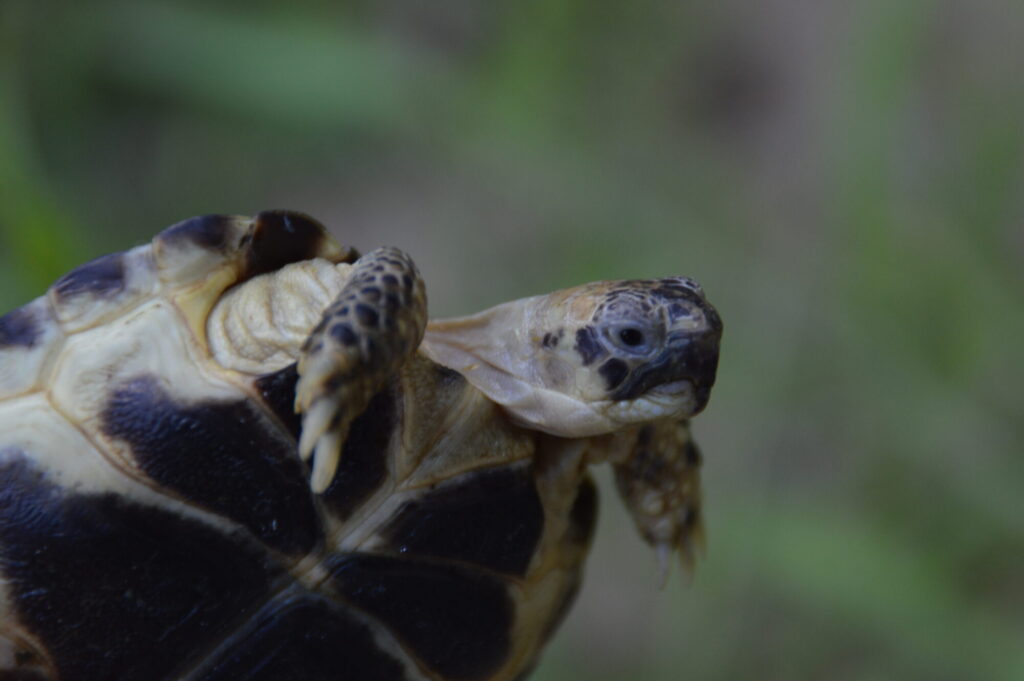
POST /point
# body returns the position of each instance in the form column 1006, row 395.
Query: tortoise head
column 591, row 359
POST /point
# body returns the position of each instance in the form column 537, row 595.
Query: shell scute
column 137, row 568
column 457, row 621
column 29, row 338
column 102, row 289
column 280, row 238
column 363, row 468
column 194, row 249
column 222, row 455
column 295, row 638
column 492, row 518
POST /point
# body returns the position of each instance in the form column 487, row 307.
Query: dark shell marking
column 142, row 574
column 224, row 456
column 279, row 238
column 20, row 328
column 493, row 519
column 278, row 392
column 102, row 277
column 458, row 621
column 212, row 232
column 363, row 467
column 296, row 638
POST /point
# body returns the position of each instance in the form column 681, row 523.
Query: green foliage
column 844, row 178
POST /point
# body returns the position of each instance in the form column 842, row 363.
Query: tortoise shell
column 155, row 522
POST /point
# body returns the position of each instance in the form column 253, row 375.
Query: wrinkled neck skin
column 520, row 355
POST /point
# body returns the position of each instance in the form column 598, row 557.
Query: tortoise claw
column 370, row 330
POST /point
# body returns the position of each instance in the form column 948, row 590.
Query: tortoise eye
column 631, row 337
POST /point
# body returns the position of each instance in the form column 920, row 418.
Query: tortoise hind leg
column 369, row 331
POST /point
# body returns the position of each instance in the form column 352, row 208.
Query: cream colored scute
column 23, row 369
column 148, row 342
column 67, row 458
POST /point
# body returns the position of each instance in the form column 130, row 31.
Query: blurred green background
column 845, row 179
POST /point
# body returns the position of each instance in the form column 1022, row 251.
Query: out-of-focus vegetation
column 846, row 180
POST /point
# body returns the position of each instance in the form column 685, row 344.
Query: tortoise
column 240, row 452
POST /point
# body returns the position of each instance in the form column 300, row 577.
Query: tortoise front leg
column 370, row 330
column 659, row 480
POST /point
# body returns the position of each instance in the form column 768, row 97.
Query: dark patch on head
column 101, row 277
column 344, row 334
column 692, row 357
column 588, row 346
column 457, row 621
column 99, row 578
column 281, row 237
column 211, row 232
column 492, row 518
column 366, row 315
column 614, row 372
column 550, row 340
column 20, row 328
column 363, row 466
column 278, row 393
column 390, row 280
column 303, row 637
column 224, row 456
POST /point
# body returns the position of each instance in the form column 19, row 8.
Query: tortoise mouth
column 687, row 367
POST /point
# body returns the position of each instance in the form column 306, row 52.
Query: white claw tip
column 314, row 425
column 325, row 462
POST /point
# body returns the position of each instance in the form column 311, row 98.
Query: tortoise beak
column 699, row 365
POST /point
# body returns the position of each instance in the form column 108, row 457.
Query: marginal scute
column 282, row 237
column 101, row 277
column 191, row 250
column 208, row 232
column 20, row 328
column 304, row 637
column 457, row 621
column 103, row 289
column 28, row 337
column 491, row 518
